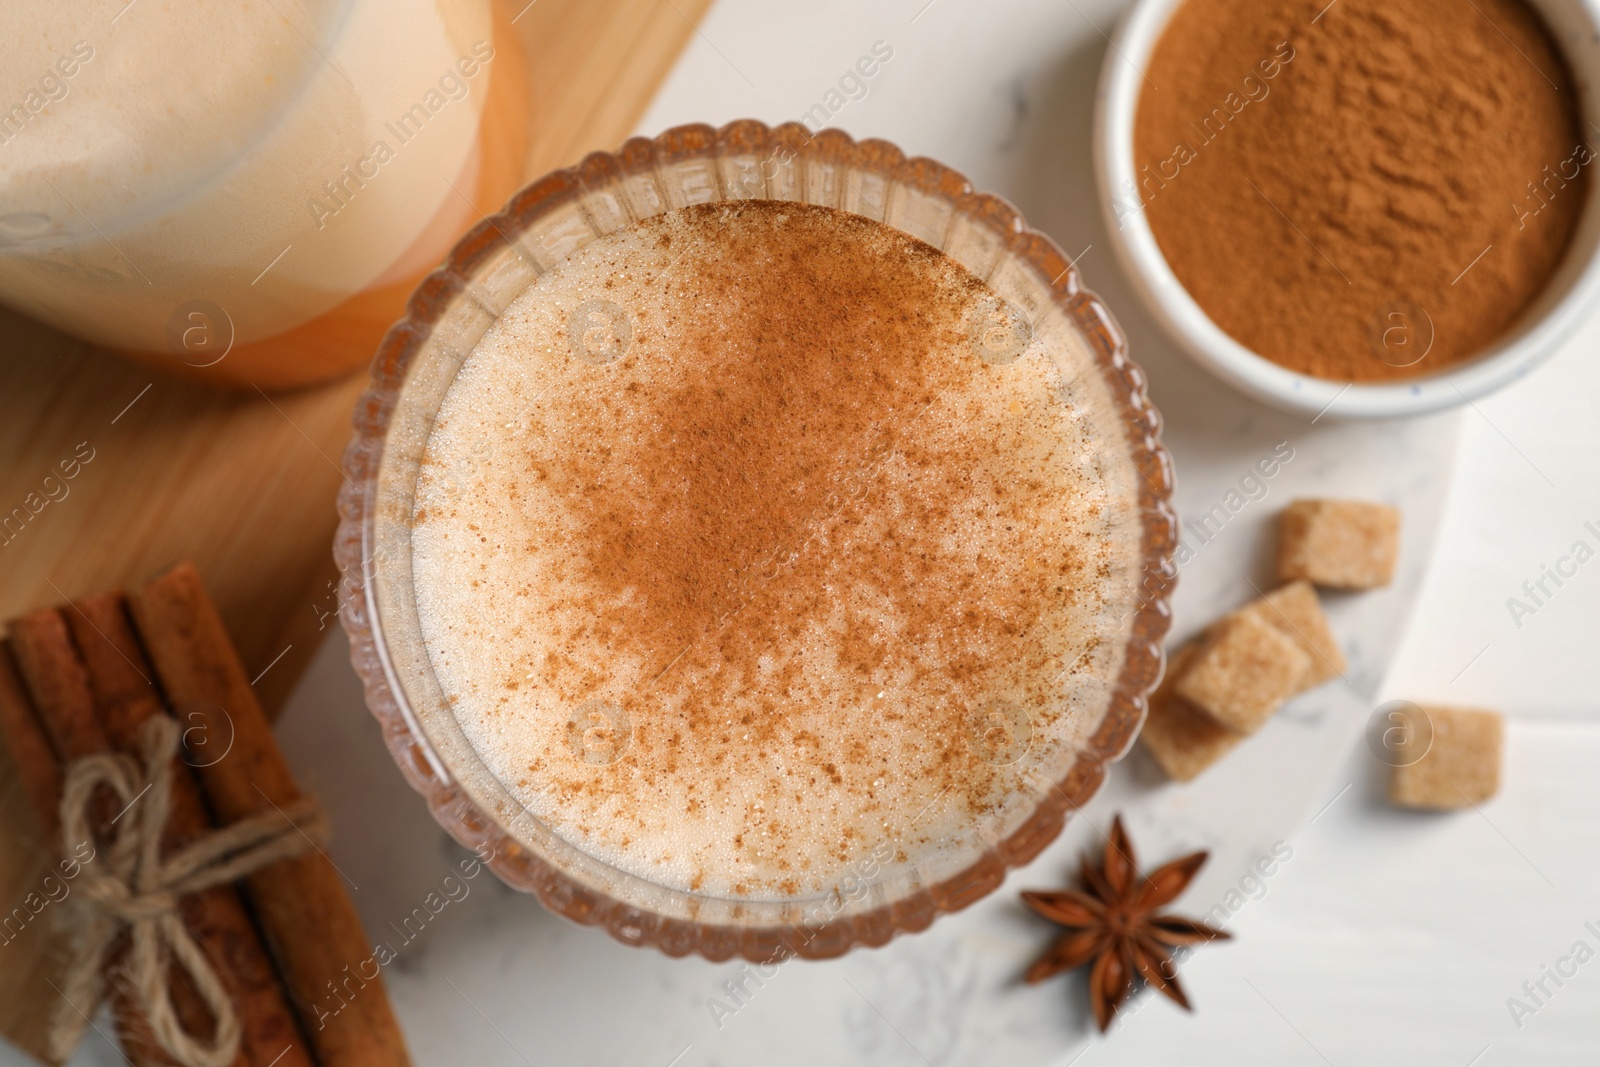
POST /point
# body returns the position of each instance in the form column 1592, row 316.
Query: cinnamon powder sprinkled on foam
column 798, row 535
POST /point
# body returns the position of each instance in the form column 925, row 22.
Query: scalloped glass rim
column 944, row 200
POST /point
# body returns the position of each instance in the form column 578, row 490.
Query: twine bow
column 131, row 885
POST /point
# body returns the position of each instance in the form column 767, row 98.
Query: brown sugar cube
column 1461, row 766
column 1295, row 611
column 1243, row 672
column 1342, row 544
column 1183, row 739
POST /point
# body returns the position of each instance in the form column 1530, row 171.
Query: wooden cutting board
column 241, row 483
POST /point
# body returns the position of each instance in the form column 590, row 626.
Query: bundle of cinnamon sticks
column 84, row 679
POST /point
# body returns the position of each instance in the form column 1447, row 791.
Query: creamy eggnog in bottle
column 193, row 181
column 757, row 538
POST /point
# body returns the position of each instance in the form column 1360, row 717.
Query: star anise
column 1113, row 923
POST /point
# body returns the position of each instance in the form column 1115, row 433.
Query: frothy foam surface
column 738, row 564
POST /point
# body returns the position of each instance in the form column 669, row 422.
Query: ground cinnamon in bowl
column 1366, row 190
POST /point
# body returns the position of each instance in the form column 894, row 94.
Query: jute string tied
column 129, row 885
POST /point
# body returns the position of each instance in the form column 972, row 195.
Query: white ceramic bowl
column 1543, row 327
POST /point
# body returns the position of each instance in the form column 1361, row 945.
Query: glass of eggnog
column 247, row 192
column 756, row 542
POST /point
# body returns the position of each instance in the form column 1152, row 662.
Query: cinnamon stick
column 305, row 913
column 31, row 753
column 59, row 684
column 39, row 772
column 120, row 679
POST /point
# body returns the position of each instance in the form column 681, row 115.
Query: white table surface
column 1387, row 938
